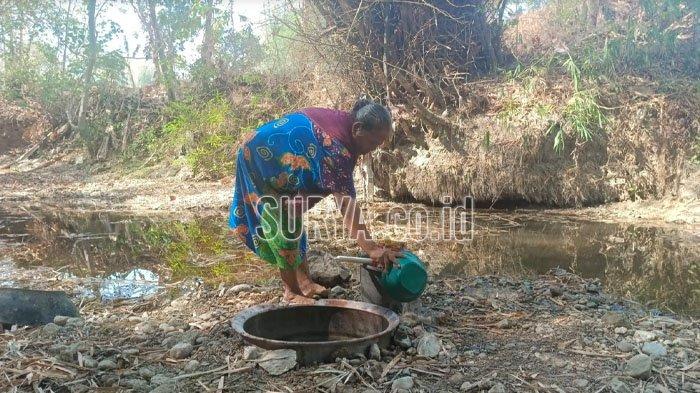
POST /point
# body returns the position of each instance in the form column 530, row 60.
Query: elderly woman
column 284, row 165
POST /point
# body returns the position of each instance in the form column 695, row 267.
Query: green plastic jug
column 405, row 281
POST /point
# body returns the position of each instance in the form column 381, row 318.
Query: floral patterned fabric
column 286, row 157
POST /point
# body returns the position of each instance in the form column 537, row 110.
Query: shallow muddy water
column 120, row 257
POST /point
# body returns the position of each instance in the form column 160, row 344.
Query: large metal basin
column 319, row 332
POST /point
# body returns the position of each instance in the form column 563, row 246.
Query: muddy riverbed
column 526, row 300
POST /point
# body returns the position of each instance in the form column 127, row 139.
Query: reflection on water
column 135, row 283
column 127, row 257
column 112, row 256
column 655, row 265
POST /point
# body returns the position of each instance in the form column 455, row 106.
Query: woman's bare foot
column 295, row 298
column 292, row 291
column 310, row 288
column 306, row 285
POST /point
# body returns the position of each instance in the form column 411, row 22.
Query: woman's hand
column 382, row 257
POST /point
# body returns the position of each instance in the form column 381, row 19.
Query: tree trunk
column 208, row 40
column 166, row 62
column 65, row 36
column 91, row 55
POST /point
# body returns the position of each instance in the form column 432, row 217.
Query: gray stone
column 191, row 366
column 374, row 352
column 130, row 351
column 374, row 369
column 638, row 366
column 166, row 388
column 107, row 364
column 160, row 379
column 75, row 322
column 625, row 346
column 325, row 271
column 236, row 289
column 89, row 362
column 279, row 361
column 614, row 319
column 642, row 336
column 166, row 327
column 618, row 386
column 456, row 379
column 403, row 342
column 621, row 330
column 505, row 324
column 252, row 352
column 169, row 341
column 654, row 349
column 498, row 388
column 50, row 330
column 79, row 388
column 60, row 320
column 145, row 372
column 181, row 350
column 580, row 383
column 136, row 384
column 429, row 345
column 405, row 383
column 144, row 328
column 338, row 291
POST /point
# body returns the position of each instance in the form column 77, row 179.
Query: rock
column 403, row 342
column 621, row 330
column 456, row 379
column 89, row 362
column 145, row 372
column 130, row 352
column 625, row 346
column 279, row 361
column 166, row 388
column 505, row 324
column 236, row 289
column 178, row 324
column 654, row 349
column 638, row 366
column 107, row 364
column 614, row 319
column 160, row 379
column 374, row 369
column 483, row 384
column 618, row 386
column 405, row 383
column 429, row 345
column 543, row 329
column 191, row 366
column 144, row 328
column 60, row 320
column 169, row 341
column 136, row 384
column 75, row 322
column 642, row 336
column 252, row 352
column 79, row 388
column 338, row 291
column 181, row 350
column 323, row 270
column 374, row 352
column 50, row 330
column 556, row 291
column 498, row 388
column 580, row 383
column 166, row 327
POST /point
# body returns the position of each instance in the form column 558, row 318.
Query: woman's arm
column 358, row 231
